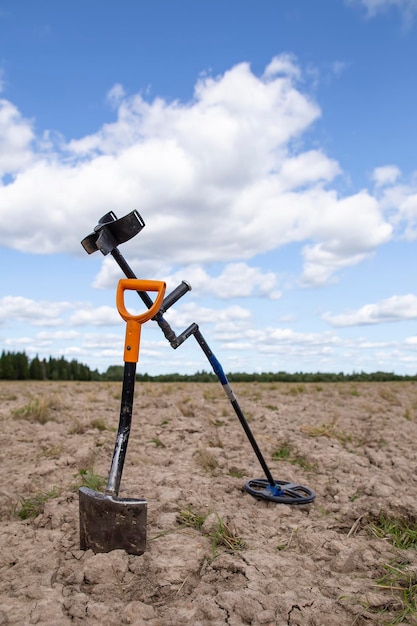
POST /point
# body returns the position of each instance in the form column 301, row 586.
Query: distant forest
column 18, row 366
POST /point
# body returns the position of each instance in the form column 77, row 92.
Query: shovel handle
column 136, row 284
column 134, row 322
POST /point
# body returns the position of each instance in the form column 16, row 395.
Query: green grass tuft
column 34, row 505
column 88, row 478
column 401, row 531
column 403, row 582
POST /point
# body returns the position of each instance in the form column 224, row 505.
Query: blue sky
column 269, row 148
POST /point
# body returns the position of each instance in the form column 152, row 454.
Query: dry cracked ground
column 214, row 554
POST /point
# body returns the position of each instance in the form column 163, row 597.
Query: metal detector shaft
column 269, row 489
column 218, row 370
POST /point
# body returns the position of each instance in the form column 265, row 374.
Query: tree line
column 18, row 366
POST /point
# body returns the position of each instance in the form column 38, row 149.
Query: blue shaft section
column 218, row 370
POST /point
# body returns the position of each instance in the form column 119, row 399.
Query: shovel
column 108, row 522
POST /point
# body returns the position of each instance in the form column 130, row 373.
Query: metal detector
column 111, row 232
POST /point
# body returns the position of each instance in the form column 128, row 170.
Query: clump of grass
column 52, row 452
column 187, row 517
column 157, row 442
column 294, row 389
column 355, row 496
column 249, row 416
column 210, row 394
column 215, row 442
column 403, row 581
column 77, row 428
column 8, row 396
column 225, row 536
column 326, row 430
column 88, row 478
column 401, row 531
column 285, row 453
column 236, row 472
column 284, row 546
column 220, row 533
column 206, row 460
column 34, row 505
column 187, row 410
column 303, row 463
column 271, row 407
column 390, row 396
column 36, row 410
column 99, row 424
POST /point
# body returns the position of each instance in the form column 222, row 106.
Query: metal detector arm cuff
column 110, row 232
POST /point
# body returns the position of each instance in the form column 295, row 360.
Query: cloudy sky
column 270, row 148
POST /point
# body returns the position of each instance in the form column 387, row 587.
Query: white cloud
column 188, row 313
column 98, row 316
column 36, row 313
column 339, row 66
column 45, row 342
column 408, row 8
column 394, row 309
column 350, row 229
column 400, row 203
column 57, row 335
column 115, row 95
column 92, row 341
column 217, row 179
column 307, row 168
column 16, row 135
column 385, row 175
column 285, row 64
column 320, row 264
column 236, row 280
column 284, row 343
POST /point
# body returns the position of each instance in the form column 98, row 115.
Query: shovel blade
column 111, row 523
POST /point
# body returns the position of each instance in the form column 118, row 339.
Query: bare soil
column 315, row 564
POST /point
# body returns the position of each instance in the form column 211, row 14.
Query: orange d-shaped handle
column 134, row 322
